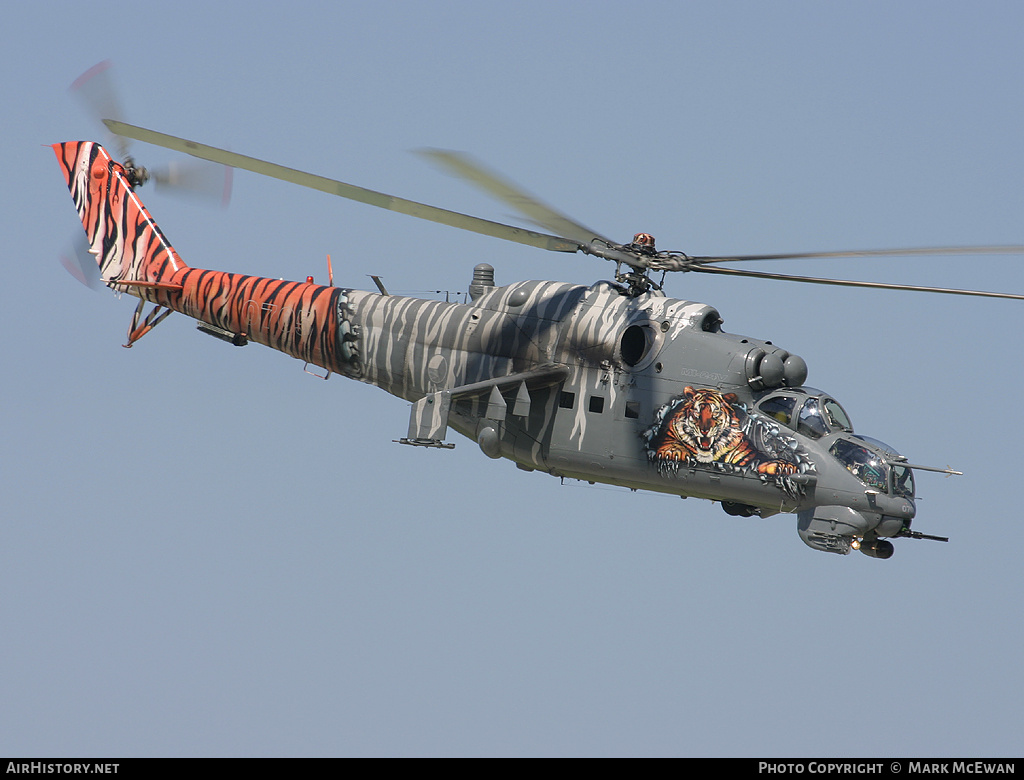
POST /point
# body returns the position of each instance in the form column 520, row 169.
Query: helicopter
column 613, row 382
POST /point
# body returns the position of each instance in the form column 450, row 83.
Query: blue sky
column 205, row 551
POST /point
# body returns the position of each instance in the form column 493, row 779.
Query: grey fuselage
column 629, row 364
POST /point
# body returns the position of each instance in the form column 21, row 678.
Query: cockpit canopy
column 807, row 411
column 815, row 414
column 872, row 465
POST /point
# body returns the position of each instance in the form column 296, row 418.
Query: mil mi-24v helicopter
column 613, row 383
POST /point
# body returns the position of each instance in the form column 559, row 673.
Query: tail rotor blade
column 81, row 264
column 196, row 178
column 96, row 92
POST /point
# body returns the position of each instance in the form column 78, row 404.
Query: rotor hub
column 137, row 175
column 643, row 243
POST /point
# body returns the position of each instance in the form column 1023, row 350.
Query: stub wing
column 428, row 422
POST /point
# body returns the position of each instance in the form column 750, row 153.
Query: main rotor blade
column 465, row 167
column 936, row 250
column 350, row 191
column 850, row 283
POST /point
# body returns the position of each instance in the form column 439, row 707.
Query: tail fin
column 131, row 251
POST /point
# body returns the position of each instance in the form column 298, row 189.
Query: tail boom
column 298, row 318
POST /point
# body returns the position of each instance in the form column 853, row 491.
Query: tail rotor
column 97, row 94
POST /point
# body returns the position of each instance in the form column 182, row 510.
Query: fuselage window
column 903, row 481
column 868, row 466
column 779, row 408
column 567, row 400
column 837, row 416
column 596, row 404
column 810, row 423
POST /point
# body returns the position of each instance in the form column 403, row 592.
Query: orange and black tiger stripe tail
column 298, row 318
column 131, row 251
